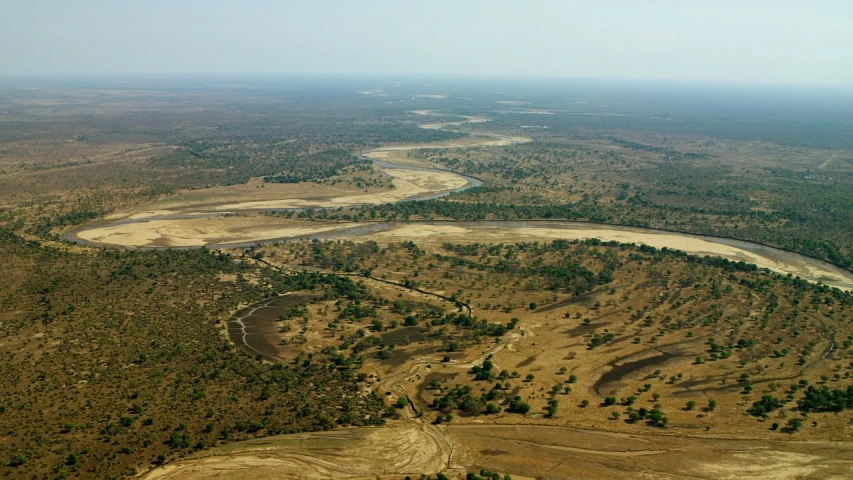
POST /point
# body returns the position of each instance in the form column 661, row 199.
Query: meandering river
column 220, row 223
column 415, row 445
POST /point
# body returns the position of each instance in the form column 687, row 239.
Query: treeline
column 318, row 166
column 776, row 228
column 588, row 209
column 808, row 131
column 814, row 400
column 567, row 275
column 588, row 279
column 825, row 400
column 236, row 161
column 44, row 227
column 482, row 211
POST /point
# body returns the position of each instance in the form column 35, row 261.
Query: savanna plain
column 424, row 279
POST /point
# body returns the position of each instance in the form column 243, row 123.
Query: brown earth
column 579, row 442
column 549, row 344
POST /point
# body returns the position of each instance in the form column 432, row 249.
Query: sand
column 198, row 232
column 781, row 262
column 467, row 142
column 413, row 446
column 408, row 184
column 400, row 448
column 154, row 228
column 193, row 232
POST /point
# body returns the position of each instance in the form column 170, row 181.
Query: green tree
column 794, row 424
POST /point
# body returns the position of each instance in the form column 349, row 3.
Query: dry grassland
column 551, row 343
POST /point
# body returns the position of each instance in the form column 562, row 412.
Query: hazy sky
column 755, row 41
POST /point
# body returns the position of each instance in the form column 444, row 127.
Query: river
column 221, row 224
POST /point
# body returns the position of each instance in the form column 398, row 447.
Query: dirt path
column 567, row 452
column 828, row 160
column 397, row 449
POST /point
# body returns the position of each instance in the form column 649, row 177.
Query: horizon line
column 125, row 76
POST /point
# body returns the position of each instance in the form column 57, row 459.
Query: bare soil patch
column 395, row 450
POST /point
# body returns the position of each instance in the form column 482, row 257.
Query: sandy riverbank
column 219, row 230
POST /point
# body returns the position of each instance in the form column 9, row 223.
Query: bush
column 181, row 440
column 794, row 424
column 767, row 404
column 517, row 406
column 826, row 400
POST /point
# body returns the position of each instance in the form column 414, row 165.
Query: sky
column 747, row 41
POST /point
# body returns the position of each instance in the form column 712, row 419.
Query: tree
column 552, row 408
column 767, row 404
column 179, row 440
column 657, row 418
column 517, row 406
column 794, row 424
column 825, row 400
column 691, row 405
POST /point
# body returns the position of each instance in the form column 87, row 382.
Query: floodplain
column 544, row 286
